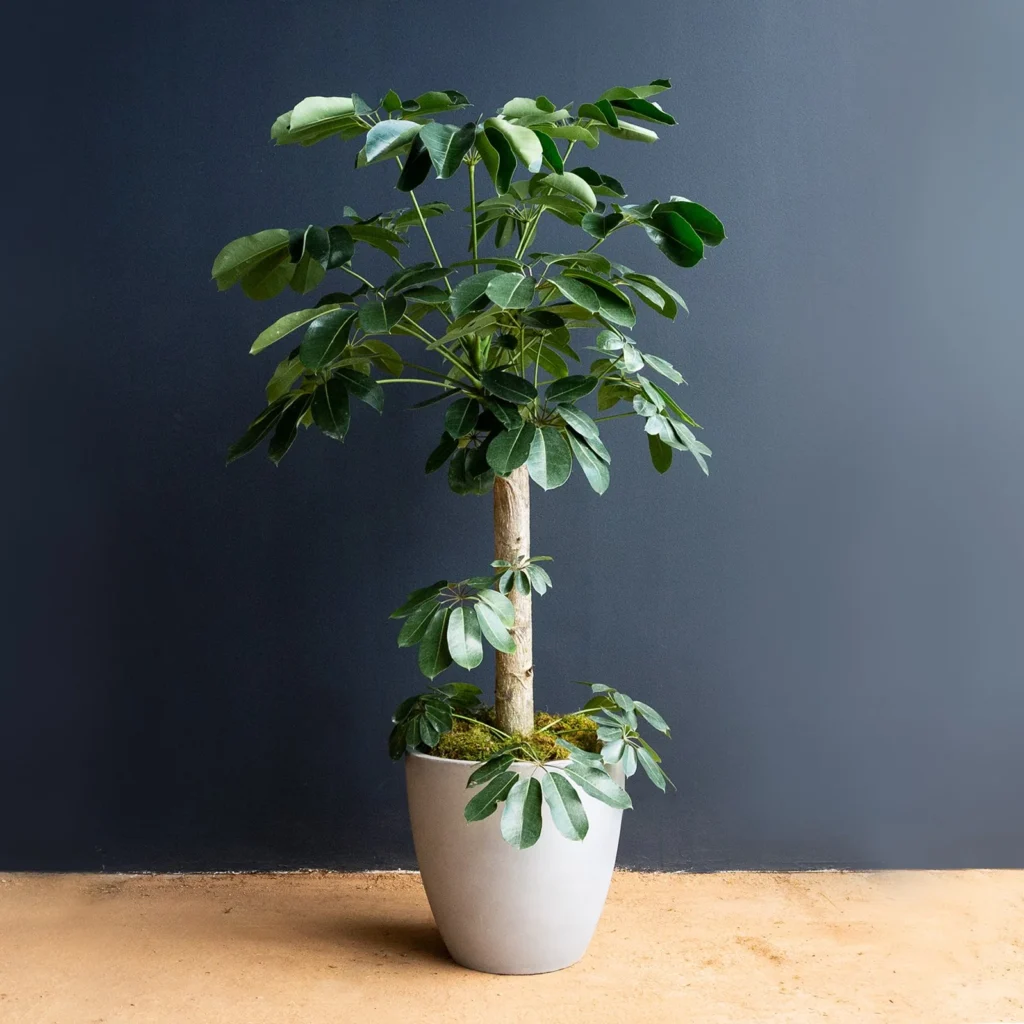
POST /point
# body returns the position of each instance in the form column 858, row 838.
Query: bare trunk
column 513, row 677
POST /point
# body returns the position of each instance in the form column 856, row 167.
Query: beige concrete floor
column 925, row 947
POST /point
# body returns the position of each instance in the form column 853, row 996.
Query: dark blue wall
column 198, row 665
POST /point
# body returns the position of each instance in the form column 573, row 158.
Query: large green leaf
column 509, row 386
column 511, row 448
column 612, row 304
column 637, row 91
column 447, row 145
column 521, row 820
column 260, row 427
column 244, row 254
column 524, row 143
column 550, row 460
column 510, row 290
column 418, row 597
column 288, row 323
column 464, row 641
column 287, row 428
column 500, row 605
column 325, row 338
column 287, row 373
column 378, row 317
column 572, row 132
column 564, row 805
column 469, row 292
column 661, row 453
column 601, row 225
column 409, row 277
column 664, row 367
column 602, row 184
column 269, row 277
column 675, row 237
column 330, row 409
column 387, row 138
column 570, row 389
column 498, row 157
column 342, row 246
column 630, row 132
column 461, row 417
column 700, row 218
column 593, row 468
column 643, row 109
column 441, row 454
column 551, row 155
column 416, row 624
column 485, row 803
column 577, row 292
column 316, row 118
column 495, row 632
column 493, row 766
column 598, row 784
column 434, row 656
column 571, row 185
column 437, row 101
column 416, row 167
column 360, row 386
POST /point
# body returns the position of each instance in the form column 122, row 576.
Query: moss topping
column 473, row 741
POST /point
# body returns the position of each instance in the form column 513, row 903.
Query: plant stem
column 472, row 216
column 614, row 416
column 359, row 277
column 414, row 380
column 513, row 673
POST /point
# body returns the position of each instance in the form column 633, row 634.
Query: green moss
column 473, row 741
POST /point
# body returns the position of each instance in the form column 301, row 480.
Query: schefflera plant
column 495, row 337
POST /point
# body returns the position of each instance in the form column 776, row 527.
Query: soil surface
column 922, row 947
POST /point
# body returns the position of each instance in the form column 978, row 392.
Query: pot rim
column 451, row 760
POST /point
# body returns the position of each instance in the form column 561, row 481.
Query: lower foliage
column 450, row 721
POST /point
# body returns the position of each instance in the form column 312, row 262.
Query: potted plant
column 492, row 337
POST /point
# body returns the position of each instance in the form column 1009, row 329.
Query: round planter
column 499, row 909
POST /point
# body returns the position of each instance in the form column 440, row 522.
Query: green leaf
column 330, row 408
column 551, row 155
column 509, row 386
column 408, row 277
column 511, row 448
column 630, row 132
column 316, row 118
column 416, row 624
column 417, row 597
column 675, row 238
column 461, row 416
column 652, row 297
column 570, row 389
column 598, row 784
column 510, row 291
column 656, row 283
column 652, row 717
column 469, row 292
column 464, row 642
column 447, row 145
column 485, row 803
column 496, row 634
column 593, row 468
column 662, row 366
column 416, row 167
column 521, row 819
column 288, row 323
column 342, row 246
column 524, row 143
column 498, row 157
column 500, row 605
column 600, row 225
column 325, row 338
column 579, row 421
column 578, row 292
column 612, row 304
column 602, row 184
column 438, row 101
column 287, row 428
column 602, row 112
column 386, row 138
column 565, row 806
column 360, row 386
column 382, row 354
column 442, row 453
column 700, row 218
column 550, row 459
column 287, row 373
column 661, row 454
column 643, row 109
column 378, row 317
column 572, row 132
column 269, row 277
column 434, row 656
column 244, row 254
column 571, row 185
column 650, row 766
column 259, row 428
column 638, row 91
column 493, row 766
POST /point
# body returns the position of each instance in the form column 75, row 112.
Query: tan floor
column 925, row 947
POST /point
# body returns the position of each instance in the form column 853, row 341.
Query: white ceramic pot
column 499, row 909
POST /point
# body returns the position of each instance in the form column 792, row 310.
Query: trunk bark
column 513, row 675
